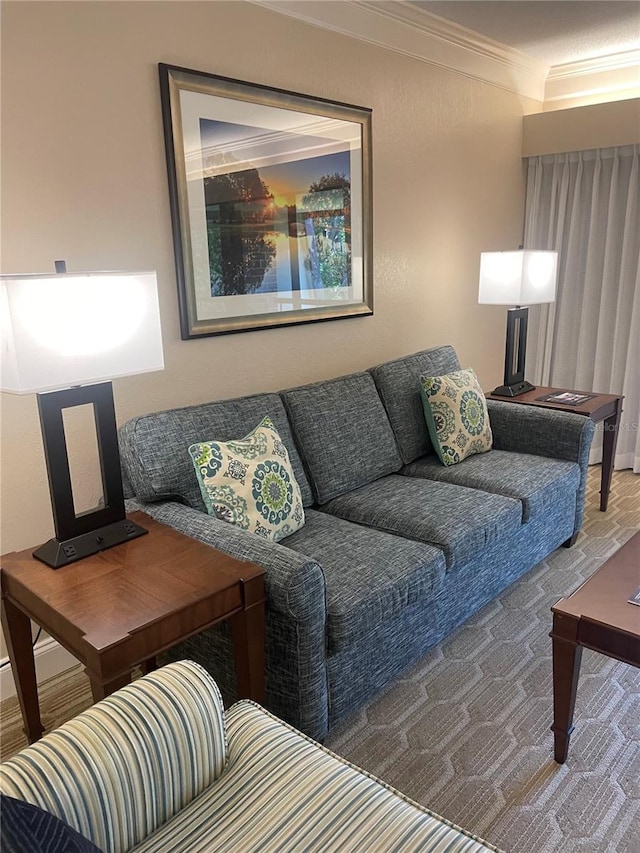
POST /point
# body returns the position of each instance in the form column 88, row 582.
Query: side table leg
column 149, row 665
column 567, row 656
column 247, row 631
column 101, row 689
column 17, row 632
column 609, row 442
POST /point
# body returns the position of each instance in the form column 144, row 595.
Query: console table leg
column 17, row 632
column 609, row 442
column 567, row 656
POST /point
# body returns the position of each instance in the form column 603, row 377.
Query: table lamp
column 514, row 278
column 62, row 334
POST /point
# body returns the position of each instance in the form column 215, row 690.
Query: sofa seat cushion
column 343, row 432
column 458, row 520
column 398, row 383
column 370, row 576
column 155, row 447
column 535, row 481
column 284, row 793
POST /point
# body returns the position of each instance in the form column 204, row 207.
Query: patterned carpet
column 466, row 731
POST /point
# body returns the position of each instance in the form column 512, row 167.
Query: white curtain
column 586, row 205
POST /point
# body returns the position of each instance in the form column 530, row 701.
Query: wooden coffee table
column 121, row 607
column 596, row 616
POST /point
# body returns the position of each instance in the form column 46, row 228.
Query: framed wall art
column 270, row 195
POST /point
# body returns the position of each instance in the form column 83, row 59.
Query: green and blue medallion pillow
column 249, row 482
column 455, row 409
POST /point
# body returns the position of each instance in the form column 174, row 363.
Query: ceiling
column 552, row 31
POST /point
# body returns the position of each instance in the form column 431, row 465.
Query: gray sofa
column 396, row 551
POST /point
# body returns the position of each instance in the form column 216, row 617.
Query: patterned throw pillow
column 456, row 413
column 249, row 482
column 26, row 827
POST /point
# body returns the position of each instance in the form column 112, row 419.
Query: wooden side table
column 601, row 407
column 120, row 608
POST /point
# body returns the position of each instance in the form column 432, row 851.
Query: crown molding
column 604, row 78
column 405, row 29
column 612, row 62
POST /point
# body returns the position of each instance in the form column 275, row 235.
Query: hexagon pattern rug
column 466, row 731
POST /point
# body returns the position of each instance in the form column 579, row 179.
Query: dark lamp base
column 57, row 554
column 514, row 390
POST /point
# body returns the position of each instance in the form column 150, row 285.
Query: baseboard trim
column 50, row 658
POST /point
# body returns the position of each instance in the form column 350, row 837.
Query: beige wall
column 84, row 179
column 582, row 128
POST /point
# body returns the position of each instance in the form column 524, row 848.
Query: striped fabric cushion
column 282, row 792
column 118, row 771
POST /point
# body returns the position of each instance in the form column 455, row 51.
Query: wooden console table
column 602, row 407
column 123, row 606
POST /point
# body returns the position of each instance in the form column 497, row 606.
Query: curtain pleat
column 586, row 206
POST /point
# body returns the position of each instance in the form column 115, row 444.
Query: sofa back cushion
column 398, row 383
column 343, row 433
column 155, row 447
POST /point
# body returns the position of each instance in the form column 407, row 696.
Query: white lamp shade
column 77, row 328
column 518, row 278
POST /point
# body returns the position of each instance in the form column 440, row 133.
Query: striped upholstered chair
column 160, row 766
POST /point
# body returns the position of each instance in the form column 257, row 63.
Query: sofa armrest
column 544, row 432
column 294, row 583
column 541, row 432
column 294, row 794
column 296, row 617
column 128, row 764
